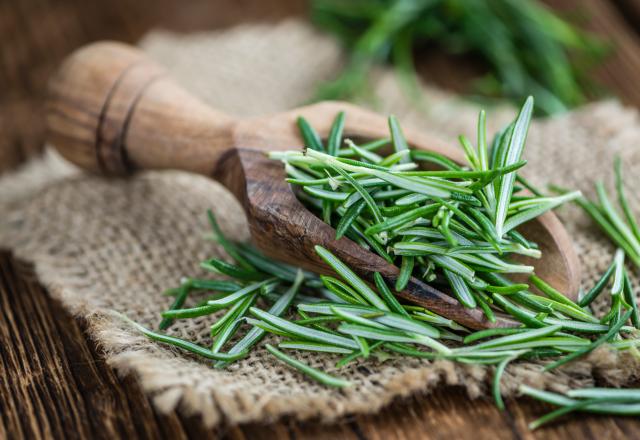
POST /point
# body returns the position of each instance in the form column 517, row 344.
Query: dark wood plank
column 54, row 384
column 630, row 11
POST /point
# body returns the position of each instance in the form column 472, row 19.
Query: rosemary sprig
column 458, row 224
column 528, row 48
column 314, row 373
column 624, row 232
column 597, row 400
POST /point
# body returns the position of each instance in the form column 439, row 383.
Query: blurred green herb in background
column 529, row 49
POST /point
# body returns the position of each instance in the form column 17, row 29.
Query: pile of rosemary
column 527, row 48
column 455, row 227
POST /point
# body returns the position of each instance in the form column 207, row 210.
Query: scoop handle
column 112, row 110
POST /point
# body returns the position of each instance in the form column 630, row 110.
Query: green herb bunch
column 344, row 317
column 456, row 226
column 528, row 48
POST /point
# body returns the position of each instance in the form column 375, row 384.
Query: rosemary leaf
column 313, row 373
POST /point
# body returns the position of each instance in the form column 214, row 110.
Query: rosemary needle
column 310, row 136
column 228, row 246
column 342, row 290
column 497, row 376
column 596, row 400
column 301, row 331
column 631, row 299
column 622, row 199
column 346, row 273
column 231, row 270
column 612, row 331
column 181, row 343
column 179, row 300
column 335, row 135
column 512, row 155
column 314, row 373
column 598, row 287
column 386, row 294
column 406, row 269
column 482, row 334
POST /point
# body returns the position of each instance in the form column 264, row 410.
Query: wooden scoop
column 112, row 110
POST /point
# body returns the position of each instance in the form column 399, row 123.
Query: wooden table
column 53, row 382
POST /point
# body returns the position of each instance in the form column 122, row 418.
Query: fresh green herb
column 595, row 344
column 314, row 373
column 357, row 329
column 179, row 300
column 228, row 246
column 512, row 153
column 310, row 136
column 528, row 48
column 350, row 276
column 624, row 232
column 622, row 199
column 497, row 376
column 456, row 224
column 598, row 287
column 596, row 400
column 451, row 240
column 386, row 294
column 181, row 343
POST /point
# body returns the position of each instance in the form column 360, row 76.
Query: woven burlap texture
column 100, row 245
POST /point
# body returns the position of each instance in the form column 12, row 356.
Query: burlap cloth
column 101, row 245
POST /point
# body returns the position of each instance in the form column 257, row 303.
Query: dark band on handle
column 113, row 123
